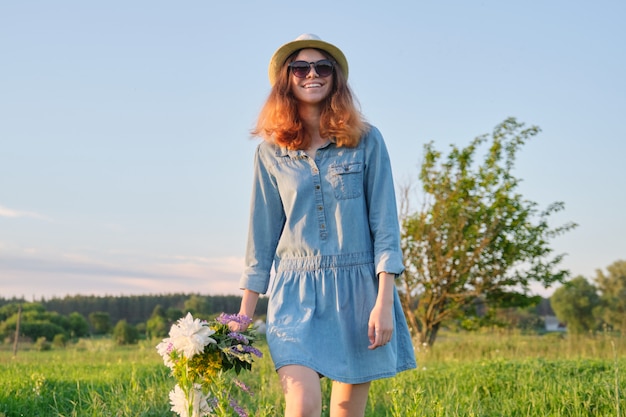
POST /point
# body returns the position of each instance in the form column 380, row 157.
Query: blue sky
column 125, row 154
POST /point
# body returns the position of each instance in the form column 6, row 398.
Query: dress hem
column 352, row 380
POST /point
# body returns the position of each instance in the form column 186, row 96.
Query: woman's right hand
column 248, row 305
column 238, row 327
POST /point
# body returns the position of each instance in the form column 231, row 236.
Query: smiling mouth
column 313, row 85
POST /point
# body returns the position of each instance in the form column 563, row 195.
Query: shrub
column 42, row 344
column 59, row 340
column 124, row 333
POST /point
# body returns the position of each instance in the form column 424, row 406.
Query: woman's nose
column 312, row 73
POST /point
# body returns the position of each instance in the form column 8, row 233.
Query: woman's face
column 311, row 89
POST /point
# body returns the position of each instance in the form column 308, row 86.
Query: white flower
column 178, row 399
column 190, row 336
column 165, row 349
column 180, row 402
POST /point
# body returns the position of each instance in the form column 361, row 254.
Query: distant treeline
column 139, row 308
column 129, row 318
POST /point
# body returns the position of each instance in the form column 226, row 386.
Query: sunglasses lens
column 324, row 68
column 300, row 68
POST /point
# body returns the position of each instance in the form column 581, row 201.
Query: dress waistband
column 324, row 261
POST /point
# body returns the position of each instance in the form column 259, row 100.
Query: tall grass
column 489, row 374
column 89, row 379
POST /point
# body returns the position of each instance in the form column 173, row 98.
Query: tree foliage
column 476, row 238
column 100, row 321
column 35, row 322
column 157, row 325
column 78, row 324
column 574, row 304
column 151, row 315
column 612, row 287
column 135, row 308
column 124, row 333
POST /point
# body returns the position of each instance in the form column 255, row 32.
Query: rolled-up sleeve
column 382, row 208
column 267, row 220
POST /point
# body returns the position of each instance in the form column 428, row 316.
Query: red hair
column 279, row 120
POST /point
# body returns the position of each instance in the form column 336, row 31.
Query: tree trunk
column 433, row 334
column 428, row 334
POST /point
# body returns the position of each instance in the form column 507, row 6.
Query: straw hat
column 304, row 41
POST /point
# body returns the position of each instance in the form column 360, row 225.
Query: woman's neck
column 310, row 116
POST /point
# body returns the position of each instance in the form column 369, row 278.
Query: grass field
column 495, row 374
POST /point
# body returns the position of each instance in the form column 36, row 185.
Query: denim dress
column 328, row 224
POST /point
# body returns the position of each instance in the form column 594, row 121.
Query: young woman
column 324, row 214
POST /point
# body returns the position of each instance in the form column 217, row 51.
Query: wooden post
column 17, row 329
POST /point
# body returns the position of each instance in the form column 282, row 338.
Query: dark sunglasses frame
column 323, row 68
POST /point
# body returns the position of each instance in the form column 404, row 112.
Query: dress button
column 320, row 208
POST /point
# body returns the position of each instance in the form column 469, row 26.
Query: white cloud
column 55, row 273
column 228, row 264
column 7, row 212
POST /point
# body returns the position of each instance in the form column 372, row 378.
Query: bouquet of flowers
column 201, row 356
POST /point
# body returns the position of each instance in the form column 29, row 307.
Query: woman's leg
column 348, row 400
column 303, row 393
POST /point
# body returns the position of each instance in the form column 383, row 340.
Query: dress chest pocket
column 346, row 179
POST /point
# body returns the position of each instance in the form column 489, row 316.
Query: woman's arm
column 248, row 305
column 381, row 205
column 267, row 219
column 380, row 325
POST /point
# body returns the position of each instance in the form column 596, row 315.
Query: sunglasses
column 301, row 69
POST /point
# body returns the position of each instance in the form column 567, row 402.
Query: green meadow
column 478, row 374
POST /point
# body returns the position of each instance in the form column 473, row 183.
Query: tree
column 612, row 289
column 36, row 322
column 124, row 333
column 100, row 321
column 79, row 326
column 475, row 238
column 157, row 325
column 173, row 314
column 574, row 304
column 198, row 305
column 11, row 309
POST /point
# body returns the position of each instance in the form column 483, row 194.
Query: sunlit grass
column 490, row 374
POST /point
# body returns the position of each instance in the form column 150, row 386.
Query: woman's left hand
column 380, row 326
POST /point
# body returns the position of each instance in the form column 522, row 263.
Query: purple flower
column 238, row 337
column 243, row 387
column 238, row 409
column 253, row 350
column 247, row 349
column 238, row 318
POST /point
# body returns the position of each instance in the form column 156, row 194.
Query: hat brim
column 282, row 53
